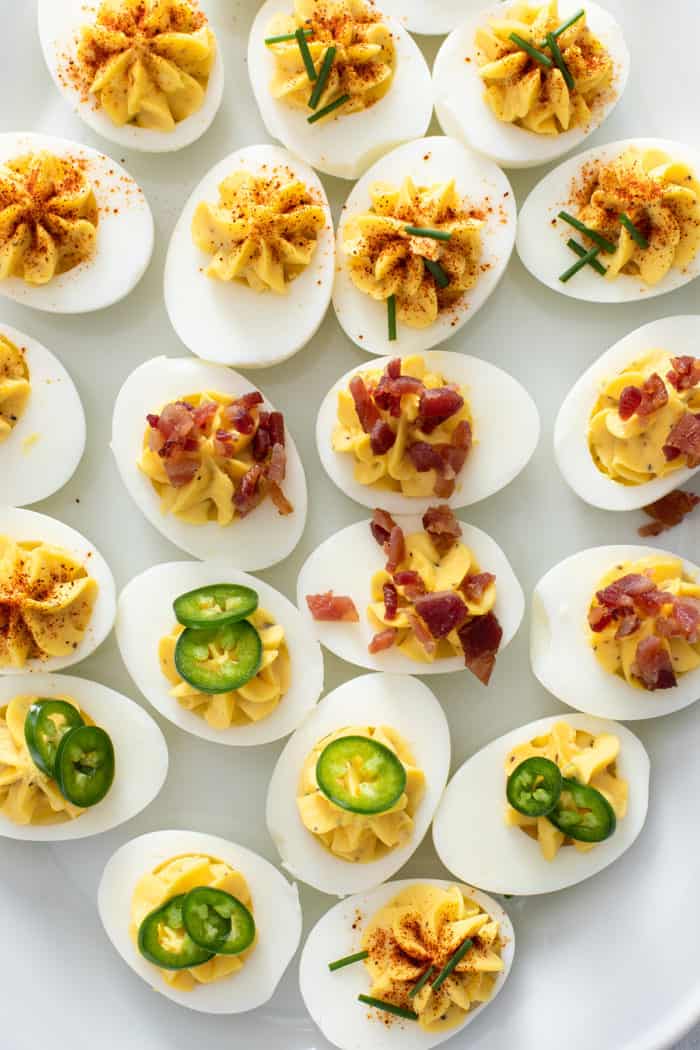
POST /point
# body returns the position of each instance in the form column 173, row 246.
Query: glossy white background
column 611, row 964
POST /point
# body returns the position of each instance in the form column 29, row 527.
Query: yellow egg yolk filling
column 423, row 926
column 358, row 837
column 15, row 386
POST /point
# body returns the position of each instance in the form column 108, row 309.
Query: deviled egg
column 36, row 457
column 406, row 431
column 415, row 595
column 355, row 788
column 616, row 224
column 209, row 462
column 160, row 889
column 77, row 231
column 502, row 87
column 48, row 725
column 615, row 433
column 420, row 959
column 249, row 270
column 146, row 74
column 581, row 788
column 616, row 632
column 282, row 683
column 337, row 82
column 57, row 600
column 425, row 237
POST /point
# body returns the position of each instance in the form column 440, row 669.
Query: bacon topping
column 332, row 607
column 442, row 611
column 683, row 621
column 442, row 527
column 381, row 525
column 279, row 499
column 685, row 372
column 668, row 511
column 223, row 444
column 436, row 406
column 423, row 635
column 629, row 623
column 381, row 438
column 473, row 586
column 180, row 469
column 652, row 664
column 384, row 640
column 411, row 582
column 684, row 438
column 425, row 456
column 395, row 549
column 391, row 388
column 620, row 593
column 204, row 413
column 277, row 467
column 629, row 401
column 391, row 601
column 599, row 618
column 364, row 405
column 481, row 637
column 250, row 491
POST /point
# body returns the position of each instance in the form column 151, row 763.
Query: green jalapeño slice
column 218, row 921
column 165, row 942
column 84, row 768
column 583, row 813
column 46, row 723
column 218, row 659
column 360, row 775
column 216, row 604
column 534, row 786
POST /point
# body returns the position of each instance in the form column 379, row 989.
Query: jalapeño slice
column 218, row 921
column 218, row 659
column 534, row 786
column 360, row 774
column 46, row 723
column 84, row 767
column 165, row 942
column 583, row 813
column 216, row 603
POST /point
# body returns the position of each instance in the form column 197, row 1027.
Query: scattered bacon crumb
column 436, row 406
column 481, row 637
column 473, row 587
column 411, row 582
column 383, row 640
column 391, row 601
column 685, row 373
column 331, row 607
column 668, row 511
column 423, row 635
column 381, row 525
column 684, row 438
column 395, row 549
column 683, row 621
column 652, row 664
column 279, row 499
column 442, row 527
column 442, row 612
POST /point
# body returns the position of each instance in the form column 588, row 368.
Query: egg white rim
column 406, row 705
column 431, row 22
column 275, row 906
column 565, row 663
column 240, row 543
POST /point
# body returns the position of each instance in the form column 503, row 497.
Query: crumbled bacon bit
column 436, row 406
column 393, row 386
column 381, row 438
column 629, row 623
column 629, row 401
column 250, row 492
column 423, row 635
column 204, row 413
column 393, row 369
column 381, row 525
column 411, row 582
column 391, row 601
column 395, row 549
column 480, row 638
column 383, row 640
column 262, row 444
column 599, row 618
column 364, row 405
column 152, row 420
column 424, row 457
column 685, row 372
column 331, row 607
column 277, row 467
column 684, row 438
column 620, row 593
column 442, row 527
column 180, row 469
column 683, row 621
column 175, row 421
column 223, row 444
column 474, row 586
column 654, row 395
column 441, row 611
column 652, row 664
column 284, row 507
column 668, row 511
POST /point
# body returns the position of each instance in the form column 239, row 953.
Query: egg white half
column 429, row 17
column 331, row 998
column 473, row 840
column 542, row 237
column 124, row 233
column 275, row 907
column 21, row 525
column 47, row 443
column 406, row 705
column 60, row 22
column 345, row 564
column 564, row 661
column 226, row 321
column 679, row 336
column 257, row 541
column 145, row 614
column 345, row 146
column 481, row 184
column 463, row 112
column 140, row 751
column 506, row 430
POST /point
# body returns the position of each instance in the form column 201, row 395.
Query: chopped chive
column 347, row 960
column 583, row 261
column 421, row 982
column 452, row 962
column 426, row 231
column 581, row 251
column 559, row 61
column 340, row 101
column 391, row 317
column 593, row 235
column 324, row 72
column 634, row 233
column 441, row 278
column 566, row 25
column 284, row 37
column 389, row 1008
column 538, row 56
column 305, row 54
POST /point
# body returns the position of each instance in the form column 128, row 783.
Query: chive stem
column 634, row 233
column 581, row 251
column 323, row 75
column 559, row 62
column 340, row 101
column 566, row 25
column 452, row 962
column 579, row 264
column 284, row 37
column 389, row 1008
column 441, row 278
column 391, row 317
column 305, row 54
column 338, row 964
column 538, row 56
column 426, row 231
column 593, row 235
column 421, row 982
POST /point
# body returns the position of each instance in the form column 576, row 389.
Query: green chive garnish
column 340, row 101
column 324, row 72
column 593, row 235
column 391, row 317
column 441, row 278
column 421, row 982
column 538, row 56
column 634, row 233
column 581, row 251
column 559, row 61
column 426, row 231
column 583, row 261
column 452, row 962
column 305, row 54
column 566, row 25
column 389, row 1008
column 286, row 36
column 347, row 960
